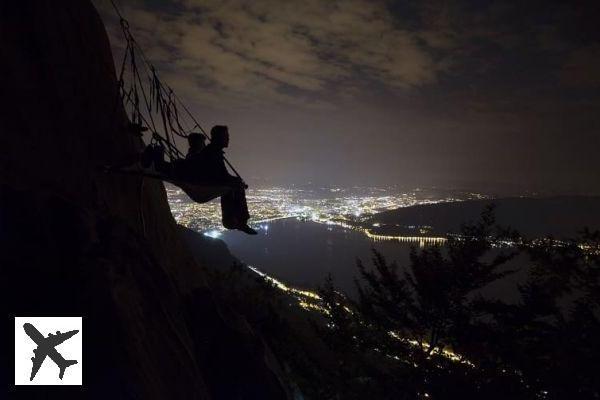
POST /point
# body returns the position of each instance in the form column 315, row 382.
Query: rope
column 134, row 44
column 167, row 108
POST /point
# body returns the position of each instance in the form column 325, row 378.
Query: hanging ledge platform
column 200, row 192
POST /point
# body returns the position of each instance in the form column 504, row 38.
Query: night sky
column 501, row 96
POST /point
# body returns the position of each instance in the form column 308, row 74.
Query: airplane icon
column 46, row 347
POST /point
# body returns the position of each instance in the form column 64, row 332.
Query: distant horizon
column 505, row 189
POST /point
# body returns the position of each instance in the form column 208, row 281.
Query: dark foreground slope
column 562, row 216
column 76, row 241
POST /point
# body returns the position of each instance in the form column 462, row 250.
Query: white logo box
column 69, row 349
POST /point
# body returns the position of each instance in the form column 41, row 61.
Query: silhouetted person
column 209, row 163
column 197, row 143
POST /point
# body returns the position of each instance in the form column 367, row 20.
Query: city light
column 213, row 233
column 346, row 208
column 311, row 301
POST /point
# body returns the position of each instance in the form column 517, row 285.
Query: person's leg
column 234, row 210
column 242, row 206
column 229, row 210
column 242, row 211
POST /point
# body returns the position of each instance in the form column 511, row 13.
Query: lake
column 302, row 253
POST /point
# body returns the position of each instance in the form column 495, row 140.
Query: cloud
column 323, row 54
column 297, row 52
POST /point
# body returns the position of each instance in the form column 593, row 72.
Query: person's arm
column 218, row 169
column 222, row 172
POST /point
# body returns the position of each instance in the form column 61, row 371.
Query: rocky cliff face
column 78, row 241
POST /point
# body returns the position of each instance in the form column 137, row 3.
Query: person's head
column 196, row 141
column 219, row 135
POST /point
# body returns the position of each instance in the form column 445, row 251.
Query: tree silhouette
column 428, row 330
column 551, row 336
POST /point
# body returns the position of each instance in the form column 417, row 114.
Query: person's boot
column 248, row 230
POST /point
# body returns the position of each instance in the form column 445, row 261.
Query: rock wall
column 78, row 241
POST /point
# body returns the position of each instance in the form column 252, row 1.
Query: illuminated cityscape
column 350, row 209
column 347, row 207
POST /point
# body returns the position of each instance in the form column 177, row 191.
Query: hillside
column 77, row 241
column 560, row 217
